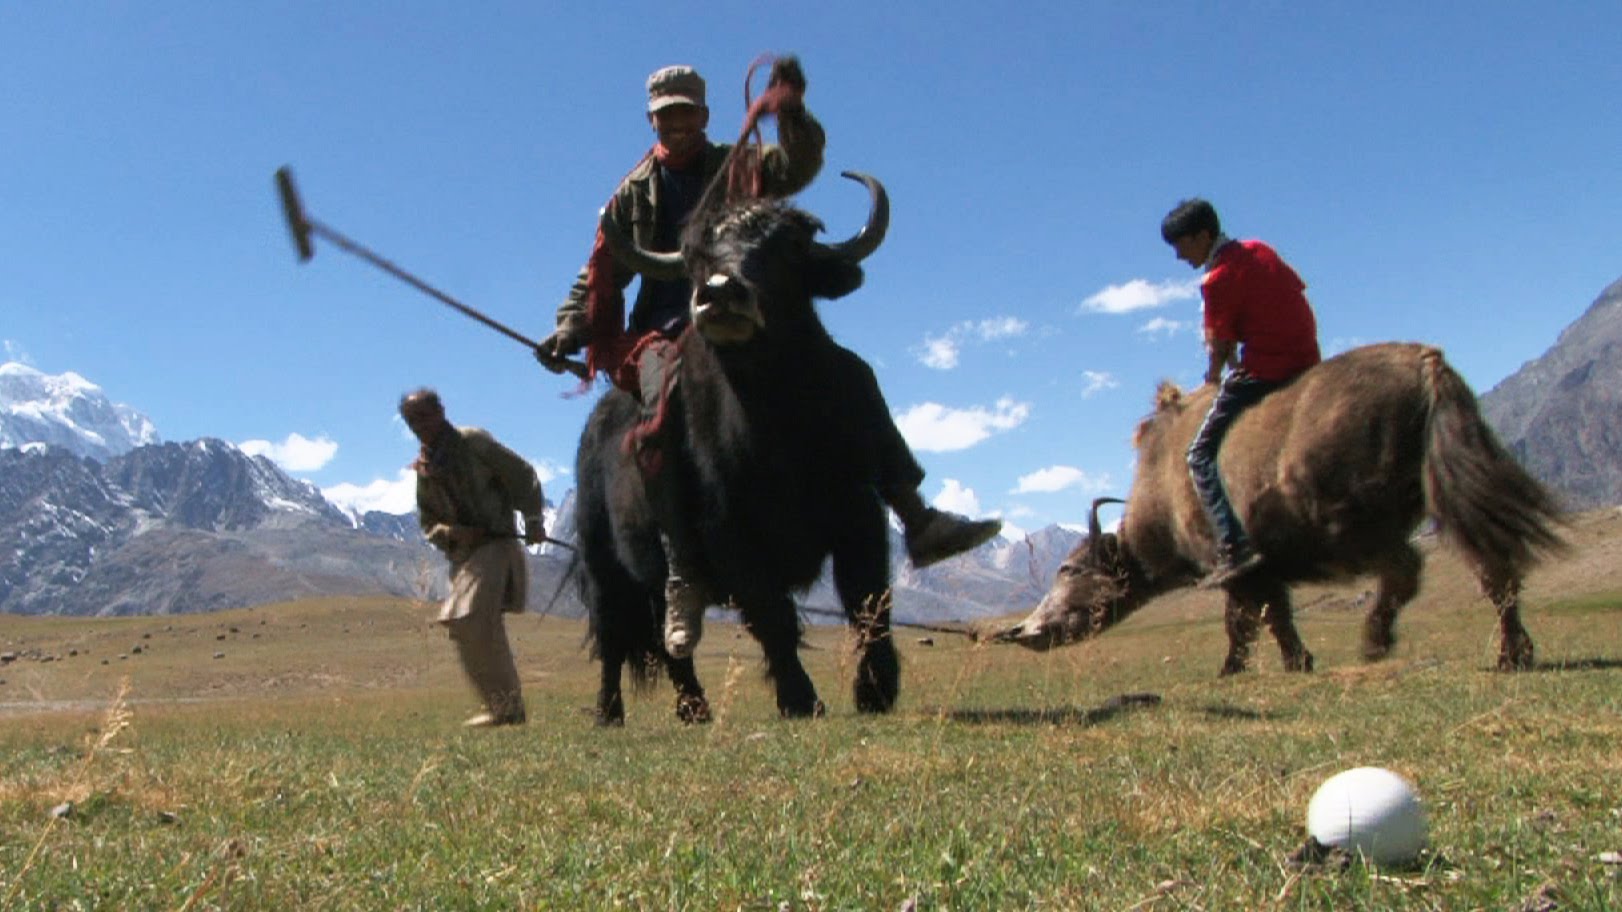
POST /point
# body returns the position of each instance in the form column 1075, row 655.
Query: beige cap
column 675, row 85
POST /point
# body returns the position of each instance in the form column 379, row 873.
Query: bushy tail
column 1482, row 500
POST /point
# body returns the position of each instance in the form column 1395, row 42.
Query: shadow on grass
column 1062, row 715
column 1230, row 711
column 1590, row 664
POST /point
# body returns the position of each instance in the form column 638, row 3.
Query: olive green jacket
column 477, row 482
column 785, row 168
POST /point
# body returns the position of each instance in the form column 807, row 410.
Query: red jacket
column 1254, row 298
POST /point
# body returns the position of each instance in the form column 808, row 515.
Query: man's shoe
column 684, row 617
column 944, row 535
column 1231, row 567
column 489, row 719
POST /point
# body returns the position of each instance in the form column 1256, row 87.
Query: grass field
column 308, row 756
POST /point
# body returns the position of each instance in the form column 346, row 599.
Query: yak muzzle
column 724, row 311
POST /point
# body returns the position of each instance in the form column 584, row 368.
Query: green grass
column 1000, row 783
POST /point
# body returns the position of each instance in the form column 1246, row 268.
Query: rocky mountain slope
column 1561, row 413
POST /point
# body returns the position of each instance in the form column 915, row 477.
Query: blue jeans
column 1238, row 392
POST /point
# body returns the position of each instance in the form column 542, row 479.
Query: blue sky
column 1440, row 172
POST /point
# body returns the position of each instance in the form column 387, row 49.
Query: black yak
column 1331, row 475
column 758, row 474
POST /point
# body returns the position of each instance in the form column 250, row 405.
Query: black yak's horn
column 871, row 236
column 1094, row 532
column 662, row 267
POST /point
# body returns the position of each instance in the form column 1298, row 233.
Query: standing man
column 468, row 488
column 1259, row 325
column 652, row 205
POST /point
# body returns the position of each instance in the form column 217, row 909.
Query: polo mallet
column 303, row 228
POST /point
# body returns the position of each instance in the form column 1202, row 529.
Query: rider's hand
column 534, row 530
column 556, row 348
column 786, row 72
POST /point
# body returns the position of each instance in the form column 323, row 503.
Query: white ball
column 1369, row 811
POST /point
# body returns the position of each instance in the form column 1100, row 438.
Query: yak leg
column 776, row 626
column 1251, row 599
column 1240, row 619
column 625, row 617
column 861, row 572
column 1399, row 583
column 1514, row 643
column 610, row 699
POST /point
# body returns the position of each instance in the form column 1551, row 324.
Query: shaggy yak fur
column 761, row 478
column 1331, row 475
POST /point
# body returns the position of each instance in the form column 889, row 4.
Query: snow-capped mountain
column 67, row 411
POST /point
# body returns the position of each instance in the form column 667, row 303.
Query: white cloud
column 941, row 352
column 957, row 498
column 295, row 454
column 398, row 495
column 1000, row 328
column 938, row 352
column 1096, row 381
column 549, row 472
column 1058, row 478
column 934, row 428
column 1160, row 326
column 1139, row 294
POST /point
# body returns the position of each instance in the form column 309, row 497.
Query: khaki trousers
column 490, row 582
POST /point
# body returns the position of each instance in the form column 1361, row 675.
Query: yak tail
column 1482, row 500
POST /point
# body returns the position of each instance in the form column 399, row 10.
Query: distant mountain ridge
column 1561, row 413
column 200, row 526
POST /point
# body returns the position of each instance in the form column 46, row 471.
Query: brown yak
column 1331, row 476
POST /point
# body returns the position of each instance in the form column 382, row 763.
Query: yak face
column 1095, row 588
column 754, row 265
column 1090, row 593
column 755, row 269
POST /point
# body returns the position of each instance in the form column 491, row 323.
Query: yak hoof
column 814, row 711
column 692, row 710
column 610, row 712
column 873, row 701
column 1232, row 666
column 1518, row 658
column 1301, row 663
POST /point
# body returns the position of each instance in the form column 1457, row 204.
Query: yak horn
column 871, row 236
column 1094, row 532
column 662, row 267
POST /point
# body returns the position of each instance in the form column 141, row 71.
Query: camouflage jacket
column 786, row 168
column 475, row 481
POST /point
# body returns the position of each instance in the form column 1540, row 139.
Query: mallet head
column 294, row 211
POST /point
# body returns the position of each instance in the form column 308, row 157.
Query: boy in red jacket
column 1259, row 325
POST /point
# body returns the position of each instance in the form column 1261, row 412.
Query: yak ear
column 833, row 278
